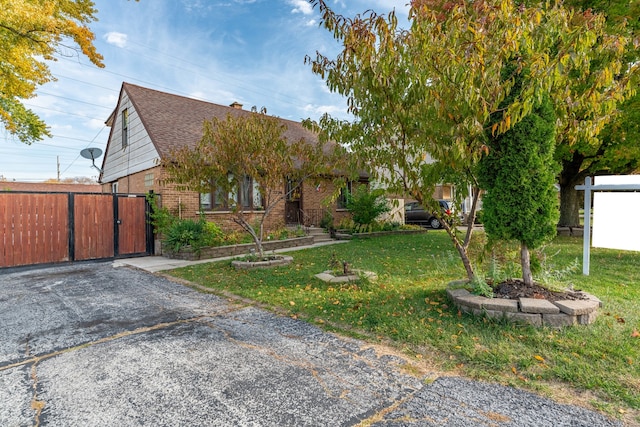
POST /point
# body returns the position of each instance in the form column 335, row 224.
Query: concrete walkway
column 90, row 344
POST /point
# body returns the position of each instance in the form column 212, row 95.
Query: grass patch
column 407, row 305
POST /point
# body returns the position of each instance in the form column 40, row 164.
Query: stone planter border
column 189, row 254
column 250, row 265
column 329, row 277
column 536, row 312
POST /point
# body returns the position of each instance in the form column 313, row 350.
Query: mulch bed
column 515, row 289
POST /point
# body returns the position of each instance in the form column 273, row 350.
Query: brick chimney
column 236, row 105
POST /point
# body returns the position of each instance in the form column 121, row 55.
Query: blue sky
column 221, row 51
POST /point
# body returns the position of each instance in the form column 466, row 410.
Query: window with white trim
column 247, row 195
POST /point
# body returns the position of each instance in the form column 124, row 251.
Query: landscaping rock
column 530, row 318
column 472, row 301
column 533, row 305
column 577, row 307
column 558, row 320
column 456, row 293
column 503, row 305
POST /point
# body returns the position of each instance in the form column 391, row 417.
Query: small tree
column 248, row 148
column 366, row 205
column 518, row 174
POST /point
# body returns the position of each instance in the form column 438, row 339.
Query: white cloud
column 116, row 39
column 198, row 6
column 301, row 6
column 61, row 128
column 312, row 23
column 333, row 110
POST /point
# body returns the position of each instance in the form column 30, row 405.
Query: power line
column 250, row 88
column 62, row 112
column 78, row 156
column 86, row 83
column 73, row 100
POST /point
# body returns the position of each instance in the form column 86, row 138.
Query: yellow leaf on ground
column 539, row 358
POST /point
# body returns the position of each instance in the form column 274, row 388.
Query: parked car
column 414, row 213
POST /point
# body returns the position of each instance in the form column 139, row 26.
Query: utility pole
column 58, row 161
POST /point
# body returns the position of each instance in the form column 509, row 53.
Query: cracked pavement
column 90, row 344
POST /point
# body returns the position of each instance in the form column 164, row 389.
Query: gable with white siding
column 139, row 152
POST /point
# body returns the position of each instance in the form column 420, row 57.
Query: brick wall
column 186, row 204
column 138, row 183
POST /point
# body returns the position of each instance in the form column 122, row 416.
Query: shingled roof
column 173, row 121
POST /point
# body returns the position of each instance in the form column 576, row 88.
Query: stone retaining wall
column 342, row 235
column 253, row 265
column 225, row 251
column 537, row 312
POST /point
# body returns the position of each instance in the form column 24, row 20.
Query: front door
column 293, row 205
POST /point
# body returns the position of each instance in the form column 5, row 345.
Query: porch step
column 319, row 234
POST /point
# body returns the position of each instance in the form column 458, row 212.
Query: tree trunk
column 472, row 216
column 464, row 256
column 569, row 205
column 257, row 240
column 525, row 261
column 461, row 247
column 570, row 176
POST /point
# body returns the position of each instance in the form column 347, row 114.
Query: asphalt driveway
column 90, row 344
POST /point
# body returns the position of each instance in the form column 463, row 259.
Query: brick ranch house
column 147, row 125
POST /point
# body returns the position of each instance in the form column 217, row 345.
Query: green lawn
column 407, row 306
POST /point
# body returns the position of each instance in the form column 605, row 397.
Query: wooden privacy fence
column 43, row 228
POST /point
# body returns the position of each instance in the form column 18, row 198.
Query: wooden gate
column 132, row 227
column 93, row 227
column 44, row 228
column 33, row 227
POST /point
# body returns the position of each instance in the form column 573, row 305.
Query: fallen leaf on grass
column 539, row 358
column 635, row 333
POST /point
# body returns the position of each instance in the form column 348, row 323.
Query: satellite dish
column 92, row 154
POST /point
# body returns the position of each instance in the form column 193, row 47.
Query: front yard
column 597, row 365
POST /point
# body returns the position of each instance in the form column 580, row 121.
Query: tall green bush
column 518, row 174
column 366, row 205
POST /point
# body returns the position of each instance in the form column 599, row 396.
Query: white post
column 586, row 239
